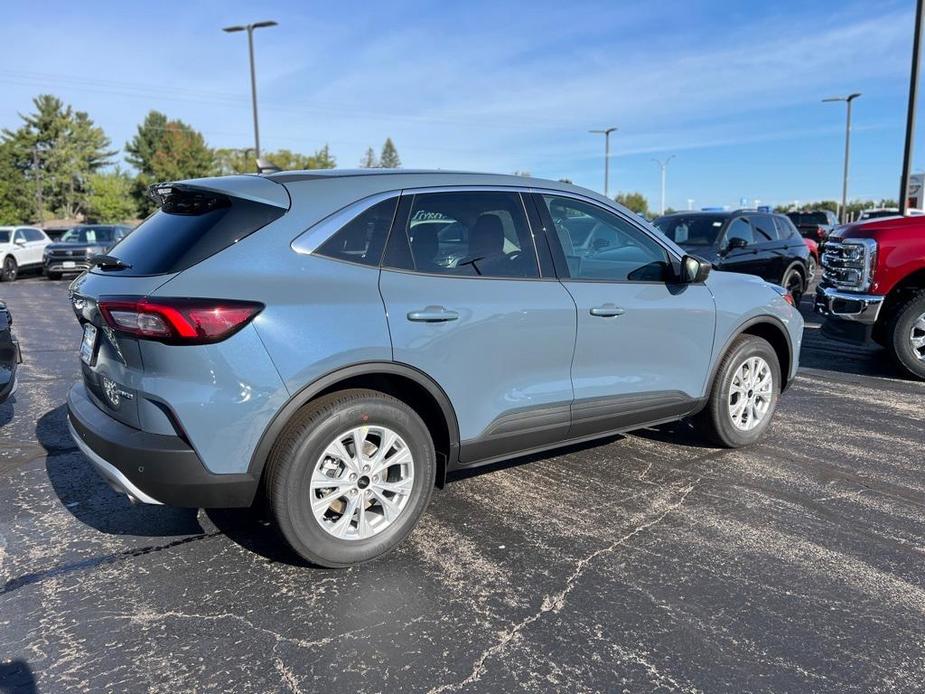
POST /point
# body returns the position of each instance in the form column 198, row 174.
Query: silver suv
column 341, row 340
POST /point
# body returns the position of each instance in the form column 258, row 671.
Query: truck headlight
column 850, row 263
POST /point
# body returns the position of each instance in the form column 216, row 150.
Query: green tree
column 369, row 160
column 17, row 192
column 389, row 158
column 166, row 150
column 110, row 198
column 635, row 202
column 238, row 161
column 57, row 150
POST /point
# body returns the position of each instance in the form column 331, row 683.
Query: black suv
column 755, row 243
column 814, row 224
column 77, row 247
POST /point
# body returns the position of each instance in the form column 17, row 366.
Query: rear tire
column 53, row 275
column 906, row 335
column 350, row 522
column 724, row 421
column 10, row 269
column 794, row 282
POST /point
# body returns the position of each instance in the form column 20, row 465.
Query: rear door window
column 764, row 228
column 190, row 227
column 362, row 239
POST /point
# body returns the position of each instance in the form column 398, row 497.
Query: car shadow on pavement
column 252, row 529
column 91, row 500
column 17, row 677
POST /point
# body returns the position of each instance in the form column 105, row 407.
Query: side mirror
column 694, row 270
column 19, row 242
column 735, row 243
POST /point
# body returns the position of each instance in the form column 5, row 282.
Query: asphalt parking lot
column 642, row 563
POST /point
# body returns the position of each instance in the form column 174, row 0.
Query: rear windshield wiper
column 110, row 262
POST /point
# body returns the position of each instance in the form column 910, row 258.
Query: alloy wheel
column 750, row 393
column 917, row 337
column 362, row 482
column 9, row 269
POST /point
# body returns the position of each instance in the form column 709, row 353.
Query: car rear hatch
column 196, row 220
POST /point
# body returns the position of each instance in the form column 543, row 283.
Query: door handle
column 607, row 311
column 433, row 314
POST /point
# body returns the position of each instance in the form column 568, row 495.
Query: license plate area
column 88, row 344
column 68, row 263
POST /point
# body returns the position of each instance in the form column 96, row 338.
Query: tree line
column 59, row 164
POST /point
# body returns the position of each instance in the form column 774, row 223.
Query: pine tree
column 166, row 150
column 389, row 157
column 57, row 150
column 369, row 159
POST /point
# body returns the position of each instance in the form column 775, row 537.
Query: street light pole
column 606, row 133
column 910, row 114
column 663, row 166
column 844, row 186
column 249, row 28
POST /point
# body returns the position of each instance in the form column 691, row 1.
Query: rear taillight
column 178, row 321
column 788, row 297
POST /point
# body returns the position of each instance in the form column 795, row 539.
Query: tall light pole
column 606, row 133
column 844, row 186
column 663, row 166
column 910, row 114
column 249, row 28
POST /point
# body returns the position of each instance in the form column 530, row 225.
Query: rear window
column 190, row 227
column 808, row 218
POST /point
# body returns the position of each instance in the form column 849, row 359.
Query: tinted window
column 189, row 227
column 4, row 236
column 691, row 230
column 599, row 244
column 740, row 229
column 88, row 235
column 34, row 235
column 764, row 227
column 809, row 218
column 362, row 240
column 785, row 228
column 479, row 233
column 19, row 235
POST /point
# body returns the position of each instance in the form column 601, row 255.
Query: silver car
column 341, row 340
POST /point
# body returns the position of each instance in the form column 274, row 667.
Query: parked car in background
column 304, row 333
column 813, row 257
column 21, row 248
column 10, row 356
column 814, row 224
column 873, row 287
column 757, row 243
column 78, row 246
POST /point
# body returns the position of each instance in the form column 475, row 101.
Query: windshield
column 808, row 218
column 691, row 230
column 4, row 237
column 88, row 235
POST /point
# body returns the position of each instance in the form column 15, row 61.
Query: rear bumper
column 151, row 468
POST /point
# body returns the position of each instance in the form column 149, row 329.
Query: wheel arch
column 913, row 282
column 768, row 328
column 404, row 382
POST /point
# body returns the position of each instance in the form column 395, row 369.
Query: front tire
column 744, row 394
column 350, row 477
column 53, row 275
column 906, row 335
column 10, row 269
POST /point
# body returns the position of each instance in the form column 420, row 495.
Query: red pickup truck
column 873, row 287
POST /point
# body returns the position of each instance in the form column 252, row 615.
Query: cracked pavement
column 640, row 563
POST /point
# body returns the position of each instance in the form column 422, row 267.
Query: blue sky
column 731, row 88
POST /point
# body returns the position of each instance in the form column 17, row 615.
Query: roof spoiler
column 245, row 187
